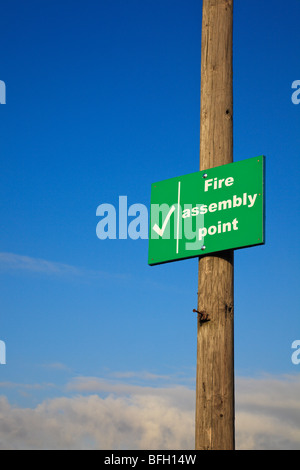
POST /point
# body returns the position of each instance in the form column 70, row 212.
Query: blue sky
column 102, row 99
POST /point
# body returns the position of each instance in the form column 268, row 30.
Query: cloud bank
column 119, row 416
column 268, row 413
column 91, row 422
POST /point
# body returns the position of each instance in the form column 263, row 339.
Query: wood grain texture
column 215, row 338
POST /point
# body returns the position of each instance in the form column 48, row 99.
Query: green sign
column 208, row 211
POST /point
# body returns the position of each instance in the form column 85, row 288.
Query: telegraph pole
column 215, row 338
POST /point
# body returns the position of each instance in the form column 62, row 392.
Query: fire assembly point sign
column 208, row 211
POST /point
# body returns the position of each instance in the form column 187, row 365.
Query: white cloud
column 15, row 262
column 23, row 386
column 139, row 375
column 114, row 416
column 57, row 366
column 136, row 422
column 11, row 261
column 268, row 413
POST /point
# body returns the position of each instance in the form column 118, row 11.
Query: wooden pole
column 215, row 338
